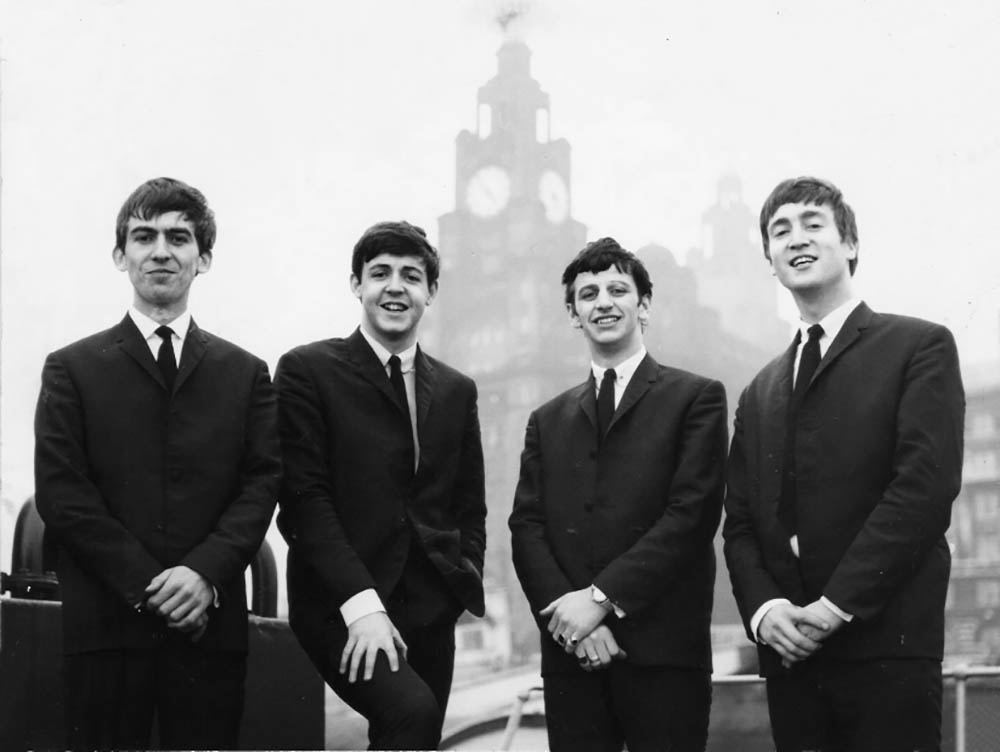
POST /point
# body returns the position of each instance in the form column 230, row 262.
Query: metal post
column 514, row 720
column 960, row 678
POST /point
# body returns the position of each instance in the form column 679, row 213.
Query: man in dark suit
column 383, row 503
column 846, row 457
column 619, row 497
column 157, row 469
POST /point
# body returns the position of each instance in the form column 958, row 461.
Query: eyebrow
column 166, row 231
column 780, row 222
column 403, row 269
column 812, row 214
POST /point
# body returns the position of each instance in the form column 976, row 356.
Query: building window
column 988, row 593
column 988, row 548
column 980, row 465
column 542, row 133
column 982, row 426
column 485, row 125
column 987, row 505
column 472, row 639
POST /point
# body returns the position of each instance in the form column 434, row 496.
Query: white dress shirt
column 180, row 325
column 367, row 601
column 624, row 372
column 147, row 328
column 832, row 323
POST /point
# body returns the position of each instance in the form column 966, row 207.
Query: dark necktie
column 807, row 363
column 787, row 513
column 165, row 357
column 605, row 403
column 396, row 379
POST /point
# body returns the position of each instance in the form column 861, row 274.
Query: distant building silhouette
column 973, row 606
column 500, row 316
column 732, row 271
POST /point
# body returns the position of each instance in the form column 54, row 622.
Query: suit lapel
column 195, row 344
column 588, row 399
column 132, row 343
column 370, row 367
column 776, row 388
column 643, row 378
column 859, row 320
column 426, row 382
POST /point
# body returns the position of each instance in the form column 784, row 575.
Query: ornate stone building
column 501, row 319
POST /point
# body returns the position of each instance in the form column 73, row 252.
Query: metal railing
column 972, row 693
column 988, row 738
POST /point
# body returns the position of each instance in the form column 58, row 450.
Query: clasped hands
column 182, row 597
column 575, row 623
column 797, row 632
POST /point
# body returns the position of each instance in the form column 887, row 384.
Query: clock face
column 554, row 195
column 487, row 191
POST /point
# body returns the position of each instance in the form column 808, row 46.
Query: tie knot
column 395, row 364
column 165, row 333
column 815, row 332
column 609, row 376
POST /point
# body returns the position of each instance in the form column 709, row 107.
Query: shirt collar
column 832, row 323
column 623, row 371
column 407, row 358
column 147, row 327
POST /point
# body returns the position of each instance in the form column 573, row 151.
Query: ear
column 203, row 264
column 644, row 303
column 432, row 291
column 355, row 287
column 852, row 251
column 118, row 256
column 574, row 318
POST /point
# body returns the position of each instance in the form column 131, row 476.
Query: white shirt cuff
column 361, row 604
column 829, row 604
column 759, row 615
column 599, row 595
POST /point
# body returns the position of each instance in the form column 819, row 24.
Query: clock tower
column 500, row 314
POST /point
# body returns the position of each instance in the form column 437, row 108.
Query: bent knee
column 411, row 721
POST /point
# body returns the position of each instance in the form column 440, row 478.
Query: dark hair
column 603, row 254
column 399, row 239
column 807, row 190
column 161, row 195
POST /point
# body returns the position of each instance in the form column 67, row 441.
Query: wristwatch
column 601, row 599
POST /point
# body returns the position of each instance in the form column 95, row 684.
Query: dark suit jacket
column 879, row 461
column 131, row 479
column 635, row 517
column 351, row 498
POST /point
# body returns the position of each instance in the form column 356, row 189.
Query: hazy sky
column 304, row 122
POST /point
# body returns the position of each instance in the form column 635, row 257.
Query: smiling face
column 808, row 254
column 607, row 307
column 162, row 259
column 393, row 291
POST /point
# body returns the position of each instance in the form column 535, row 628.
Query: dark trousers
column 405, row 709
column 195, row 695
column 864, row 706
column 649, row 708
